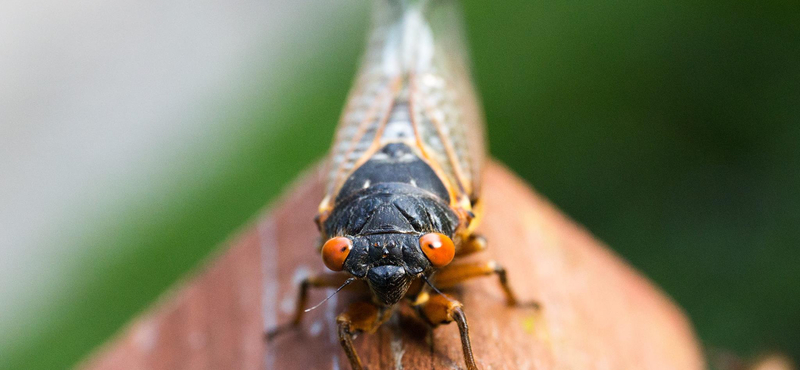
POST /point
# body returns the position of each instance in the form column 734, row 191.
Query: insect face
column 388, row 262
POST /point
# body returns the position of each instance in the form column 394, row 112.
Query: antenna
column 436, row 289
column 346, row 283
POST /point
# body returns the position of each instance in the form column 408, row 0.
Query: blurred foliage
column 669, row 129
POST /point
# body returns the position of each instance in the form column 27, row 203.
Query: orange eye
column 438, row 248
column 335, row 251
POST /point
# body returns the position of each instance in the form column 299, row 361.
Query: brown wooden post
column 598, row 313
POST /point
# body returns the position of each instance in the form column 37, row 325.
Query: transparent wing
column 414, row 86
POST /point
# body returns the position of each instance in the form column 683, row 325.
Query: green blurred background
column 668, row 128
column 671, row 130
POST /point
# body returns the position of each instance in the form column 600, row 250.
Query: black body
column 384, row 207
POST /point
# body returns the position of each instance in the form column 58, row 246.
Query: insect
column 403, row 192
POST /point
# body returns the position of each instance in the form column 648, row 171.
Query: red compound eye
column 335, row 251
column 438, row 248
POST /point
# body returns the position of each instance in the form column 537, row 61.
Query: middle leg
column 451, row 275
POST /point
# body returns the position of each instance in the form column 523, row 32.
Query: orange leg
column 473, row 244
column 441, row 309
column 451, row 275
column 323, row 280
column 359, row 317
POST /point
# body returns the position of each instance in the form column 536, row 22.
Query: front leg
column 442, row 309
column 323, row 280
column 359, row 317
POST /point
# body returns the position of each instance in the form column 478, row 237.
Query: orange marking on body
column 376, row 142
column 362, row 129
column 448, row 148
column 421, row 145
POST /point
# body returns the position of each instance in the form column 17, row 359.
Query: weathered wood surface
column 598, row 313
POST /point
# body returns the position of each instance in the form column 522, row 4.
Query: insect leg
column 473, row 244
column 451, row 275
column 441, row 309
column 359, row 317
column 323, row 280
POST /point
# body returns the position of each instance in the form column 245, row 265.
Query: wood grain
column 598, row 313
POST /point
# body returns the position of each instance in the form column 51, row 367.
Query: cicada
column 403, row 178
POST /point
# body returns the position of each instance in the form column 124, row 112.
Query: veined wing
column 414, row 87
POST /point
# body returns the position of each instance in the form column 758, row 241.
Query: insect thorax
column 386, row 205
column 394, row 191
